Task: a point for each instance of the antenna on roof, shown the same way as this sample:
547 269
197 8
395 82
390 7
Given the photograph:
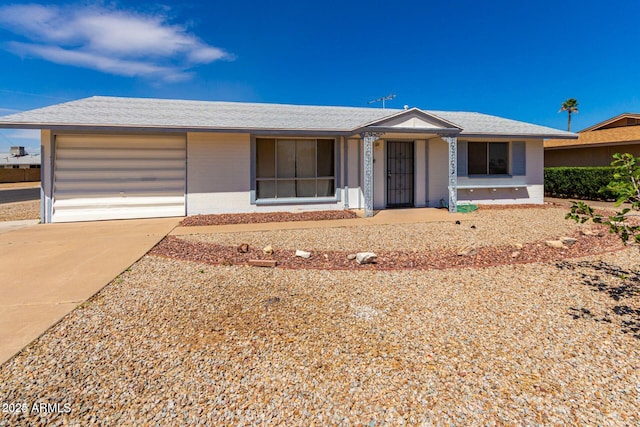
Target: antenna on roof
383 99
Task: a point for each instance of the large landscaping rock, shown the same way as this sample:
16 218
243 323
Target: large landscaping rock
303 254
366 257
557 244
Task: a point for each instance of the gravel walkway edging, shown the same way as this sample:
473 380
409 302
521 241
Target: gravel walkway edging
487 256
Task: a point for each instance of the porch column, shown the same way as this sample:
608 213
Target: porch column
369 138
452 142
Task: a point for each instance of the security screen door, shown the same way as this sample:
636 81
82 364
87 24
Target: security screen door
400 180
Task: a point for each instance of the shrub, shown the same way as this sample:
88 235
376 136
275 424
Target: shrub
588 183
626 186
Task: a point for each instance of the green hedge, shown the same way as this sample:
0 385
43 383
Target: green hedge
587 183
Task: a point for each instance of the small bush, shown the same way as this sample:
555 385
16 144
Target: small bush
626 186
588 183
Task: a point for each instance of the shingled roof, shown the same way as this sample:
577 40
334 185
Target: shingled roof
7 159
619 135
611 131
158 114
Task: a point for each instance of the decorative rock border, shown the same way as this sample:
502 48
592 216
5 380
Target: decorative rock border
482 256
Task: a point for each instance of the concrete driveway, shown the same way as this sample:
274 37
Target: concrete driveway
48 270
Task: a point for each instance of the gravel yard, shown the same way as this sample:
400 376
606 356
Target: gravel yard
248 218
175 342
20 211
494 227
489 237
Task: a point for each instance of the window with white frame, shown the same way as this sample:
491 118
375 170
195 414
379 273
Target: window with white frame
287 168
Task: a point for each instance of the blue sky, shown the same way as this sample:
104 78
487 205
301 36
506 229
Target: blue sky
513 59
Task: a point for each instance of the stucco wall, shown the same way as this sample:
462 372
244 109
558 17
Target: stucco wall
353 176
218 173
420 178
438 171
219 177
531 188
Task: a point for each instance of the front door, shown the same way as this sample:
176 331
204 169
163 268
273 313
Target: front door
399 174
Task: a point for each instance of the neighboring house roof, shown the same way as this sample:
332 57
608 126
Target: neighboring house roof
617 121
622 129
7 159
179 115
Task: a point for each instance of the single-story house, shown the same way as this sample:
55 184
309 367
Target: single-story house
116 158
597 144
18 166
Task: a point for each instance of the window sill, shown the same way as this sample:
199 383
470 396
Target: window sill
296 201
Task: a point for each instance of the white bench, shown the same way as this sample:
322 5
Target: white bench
496 187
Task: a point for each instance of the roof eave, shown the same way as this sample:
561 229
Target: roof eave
591 145
18 125
172 129
271 131
390 129
516 135
597 126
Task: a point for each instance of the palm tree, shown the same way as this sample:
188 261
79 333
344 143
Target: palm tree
570 106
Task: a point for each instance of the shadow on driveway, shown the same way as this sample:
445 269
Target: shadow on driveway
12 195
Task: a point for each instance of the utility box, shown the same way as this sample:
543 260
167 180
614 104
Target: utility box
17 151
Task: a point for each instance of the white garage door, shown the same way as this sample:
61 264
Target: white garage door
118 177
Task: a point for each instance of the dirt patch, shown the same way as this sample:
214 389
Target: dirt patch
263 217
19 211
210 253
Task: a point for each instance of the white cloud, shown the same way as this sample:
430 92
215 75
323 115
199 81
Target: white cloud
95 60
111 41
4 111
